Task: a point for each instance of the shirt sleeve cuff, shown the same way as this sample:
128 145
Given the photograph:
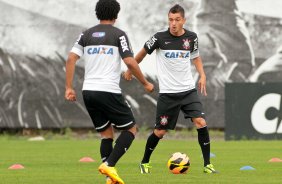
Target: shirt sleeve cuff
77 51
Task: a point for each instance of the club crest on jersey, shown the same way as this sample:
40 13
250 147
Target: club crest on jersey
186 44
98 34
164 120
100 50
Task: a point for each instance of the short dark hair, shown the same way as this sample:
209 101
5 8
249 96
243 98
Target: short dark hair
177 9
107 9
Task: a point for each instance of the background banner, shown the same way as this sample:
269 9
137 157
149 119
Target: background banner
253 111
237 42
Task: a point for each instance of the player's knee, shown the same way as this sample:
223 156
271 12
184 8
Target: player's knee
108 133
159 133
133 130
199 122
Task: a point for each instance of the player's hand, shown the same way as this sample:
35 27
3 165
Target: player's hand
149 87
70 94
127 75
202 85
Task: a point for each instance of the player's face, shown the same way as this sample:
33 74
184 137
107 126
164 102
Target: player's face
176 22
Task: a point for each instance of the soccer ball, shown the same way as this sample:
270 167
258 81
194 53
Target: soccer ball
178 163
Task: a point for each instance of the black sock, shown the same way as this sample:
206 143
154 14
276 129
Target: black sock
204 141
123 143
151 144
106 148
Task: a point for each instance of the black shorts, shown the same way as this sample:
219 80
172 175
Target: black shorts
170 104
107 108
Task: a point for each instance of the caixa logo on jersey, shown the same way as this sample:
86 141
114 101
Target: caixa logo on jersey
100 50
266 114
173 54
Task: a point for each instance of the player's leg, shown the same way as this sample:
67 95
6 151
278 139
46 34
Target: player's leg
204 141
203 138
192 108
98 104
168 109
151 144
122 144
121 117
100 122
106 145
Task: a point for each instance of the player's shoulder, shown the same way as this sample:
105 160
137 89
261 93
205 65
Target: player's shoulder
190 33
162 32
90 29
118 30
105 28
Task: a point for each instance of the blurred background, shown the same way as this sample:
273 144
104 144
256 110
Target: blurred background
240 43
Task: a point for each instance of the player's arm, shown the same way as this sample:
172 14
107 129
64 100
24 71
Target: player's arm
202 79
133 66
70 69
148 48
139 57
75 53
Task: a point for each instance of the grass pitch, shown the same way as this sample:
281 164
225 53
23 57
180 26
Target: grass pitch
57 162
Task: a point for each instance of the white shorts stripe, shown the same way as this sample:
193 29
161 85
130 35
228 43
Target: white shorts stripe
125 124
98 128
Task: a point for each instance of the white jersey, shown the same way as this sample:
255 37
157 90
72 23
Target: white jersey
102 46
173 56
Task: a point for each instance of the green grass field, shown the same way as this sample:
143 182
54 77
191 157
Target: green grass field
57 162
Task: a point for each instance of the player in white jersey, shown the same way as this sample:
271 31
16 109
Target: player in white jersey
175 48
103 46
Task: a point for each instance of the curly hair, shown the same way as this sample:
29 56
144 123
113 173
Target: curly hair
107 9
177 9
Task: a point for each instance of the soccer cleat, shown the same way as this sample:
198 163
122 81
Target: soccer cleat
209 169
110 181
110 172
145 168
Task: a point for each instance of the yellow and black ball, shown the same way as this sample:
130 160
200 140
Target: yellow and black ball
178 163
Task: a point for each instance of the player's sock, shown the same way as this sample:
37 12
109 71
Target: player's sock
123 143
151 144
106 148
204 141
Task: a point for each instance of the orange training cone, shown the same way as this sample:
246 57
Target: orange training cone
86 159
275 160
16 166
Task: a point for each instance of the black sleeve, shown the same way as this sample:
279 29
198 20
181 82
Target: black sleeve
124 46
195 43
151 44
195 49
80 41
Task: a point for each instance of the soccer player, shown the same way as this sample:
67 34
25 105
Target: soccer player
175 48
102 46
